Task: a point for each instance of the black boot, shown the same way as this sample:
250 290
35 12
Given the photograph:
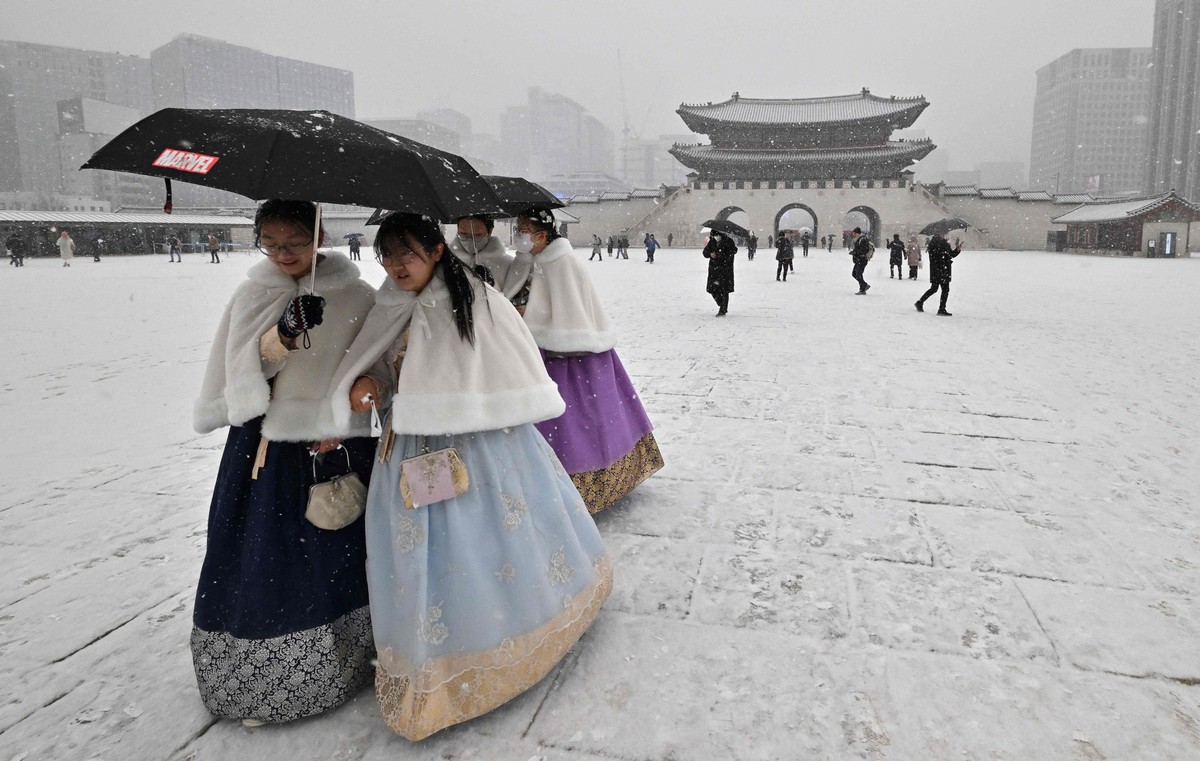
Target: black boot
920 306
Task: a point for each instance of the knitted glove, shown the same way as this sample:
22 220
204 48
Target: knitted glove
302 313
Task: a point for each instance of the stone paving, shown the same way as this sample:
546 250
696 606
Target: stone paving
879 535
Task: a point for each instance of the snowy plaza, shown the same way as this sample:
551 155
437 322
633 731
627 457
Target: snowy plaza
879 534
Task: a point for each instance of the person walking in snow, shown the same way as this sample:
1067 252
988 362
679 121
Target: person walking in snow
173 248
610 245
214 249
941 259
720 252
16 251
804 242
281 624
66 248
670 239
752 246
596 244
784 253
913 252
896 257
861 252
355 249
651 247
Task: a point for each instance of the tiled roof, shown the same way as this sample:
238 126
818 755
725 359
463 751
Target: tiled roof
996 193
1074 198
613 196
893 150
960 190
583 199
97 217
645 193
1119 210
838 108
1034 195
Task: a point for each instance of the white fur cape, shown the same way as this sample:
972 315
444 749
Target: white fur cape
564 313
493 256
235 387
447 385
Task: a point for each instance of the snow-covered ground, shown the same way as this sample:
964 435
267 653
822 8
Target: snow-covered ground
879 534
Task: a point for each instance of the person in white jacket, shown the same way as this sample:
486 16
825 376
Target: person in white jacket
281 627
483 563
66 248
604 437
482 252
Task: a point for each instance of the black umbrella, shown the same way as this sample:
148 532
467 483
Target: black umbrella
310 155
515 194
725 226
354 235
943 226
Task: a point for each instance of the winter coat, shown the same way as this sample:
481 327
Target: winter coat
493 256
897 249
784 249
66 247
720 267
651 245
941 258
914 256
862 250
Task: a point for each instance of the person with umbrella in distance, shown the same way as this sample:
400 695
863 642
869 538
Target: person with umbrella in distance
941 259
480 586
281 627
784 254
355 247
482 252
860 253
720 251
604 439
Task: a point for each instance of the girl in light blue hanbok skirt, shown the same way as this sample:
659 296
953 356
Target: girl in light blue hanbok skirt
476 597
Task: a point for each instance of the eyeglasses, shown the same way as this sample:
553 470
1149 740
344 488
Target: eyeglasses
290 248
401 255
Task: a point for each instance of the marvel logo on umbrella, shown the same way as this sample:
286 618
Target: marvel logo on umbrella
185 161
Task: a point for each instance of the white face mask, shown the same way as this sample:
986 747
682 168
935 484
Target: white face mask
473 243
524 243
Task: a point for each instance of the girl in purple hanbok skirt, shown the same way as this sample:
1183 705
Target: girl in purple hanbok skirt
604 439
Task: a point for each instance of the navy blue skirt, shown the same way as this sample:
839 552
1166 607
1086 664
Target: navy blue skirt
282 627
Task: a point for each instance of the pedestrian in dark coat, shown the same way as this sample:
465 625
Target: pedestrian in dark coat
941 258
861 252
651 247
829 240
784 253
610 245
16 251
752 246
720 251
896 259
804 243
914 257
355 249
670 239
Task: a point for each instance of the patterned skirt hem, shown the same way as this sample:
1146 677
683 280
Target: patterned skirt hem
601 488
280 679
417 701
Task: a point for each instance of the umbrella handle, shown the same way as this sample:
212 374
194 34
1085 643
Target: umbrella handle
312 288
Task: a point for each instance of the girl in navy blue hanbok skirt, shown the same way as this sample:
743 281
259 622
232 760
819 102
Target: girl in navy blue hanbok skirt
282 627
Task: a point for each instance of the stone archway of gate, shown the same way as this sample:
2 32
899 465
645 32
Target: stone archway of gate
796 215
861 214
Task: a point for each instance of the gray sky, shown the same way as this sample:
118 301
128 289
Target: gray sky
973 59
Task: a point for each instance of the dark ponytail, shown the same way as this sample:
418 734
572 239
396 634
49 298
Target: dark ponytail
400 225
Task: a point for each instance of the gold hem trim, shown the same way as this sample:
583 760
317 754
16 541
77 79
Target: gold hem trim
417 701
601 488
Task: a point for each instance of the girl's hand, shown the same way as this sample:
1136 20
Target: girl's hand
362 393
328 445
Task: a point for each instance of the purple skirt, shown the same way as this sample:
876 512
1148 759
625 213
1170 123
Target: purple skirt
604 418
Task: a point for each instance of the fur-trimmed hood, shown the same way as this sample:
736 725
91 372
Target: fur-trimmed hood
564 313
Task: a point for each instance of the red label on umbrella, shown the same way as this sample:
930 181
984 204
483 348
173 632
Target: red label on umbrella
185 161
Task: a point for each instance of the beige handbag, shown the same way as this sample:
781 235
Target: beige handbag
336 503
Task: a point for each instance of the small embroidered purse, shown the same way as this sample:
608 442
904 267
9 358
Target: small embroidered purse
432 477
335 504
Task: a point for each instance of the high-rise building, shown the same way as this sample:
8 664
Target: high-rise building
1173 147
553 135
33 79
449 118
422 131
198 72
1090 119
648 163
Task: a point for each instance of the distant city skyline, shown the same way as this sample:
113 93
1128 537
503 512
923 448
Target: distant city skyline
479 58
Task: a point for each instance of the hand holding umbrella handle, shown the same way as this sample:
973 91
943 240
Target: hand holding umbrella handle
302 312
